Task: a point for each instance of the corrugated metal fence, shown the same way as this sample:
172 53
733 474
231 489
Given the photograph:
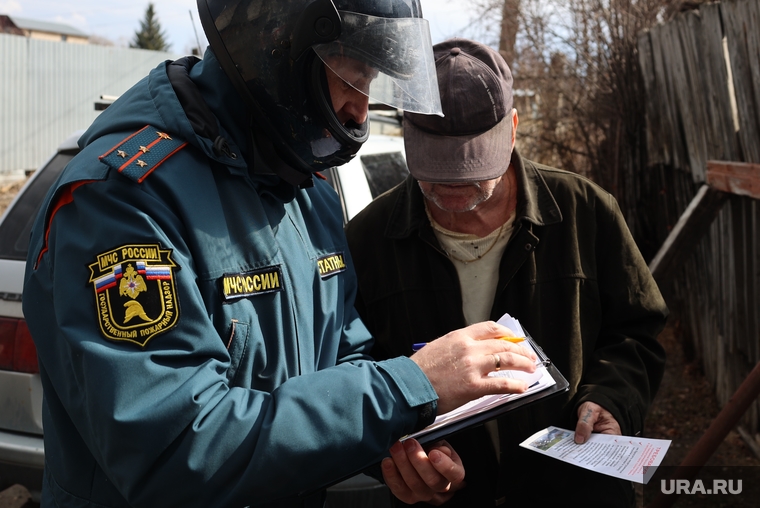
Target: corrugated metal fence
702 77
48 90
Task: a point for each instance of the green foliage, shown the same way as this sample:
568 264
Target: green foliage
150 36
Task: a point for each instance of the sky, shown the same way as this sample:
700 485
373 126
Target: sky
118 20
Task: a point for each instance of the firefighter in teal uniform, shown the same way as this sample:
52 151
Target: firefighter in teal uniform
189 288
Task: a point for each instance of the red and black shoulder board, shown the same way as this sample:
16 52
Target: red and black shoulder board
139 154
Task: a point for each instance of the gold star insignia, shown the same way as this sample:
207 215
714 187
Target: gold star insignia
122 154
144 149
164 135
142 164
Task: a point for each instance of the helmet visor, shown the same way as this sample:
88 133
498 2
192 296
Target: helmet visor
388 59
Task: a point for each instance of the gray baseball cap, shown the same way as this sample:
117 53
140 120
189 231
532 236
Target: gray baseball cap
473 140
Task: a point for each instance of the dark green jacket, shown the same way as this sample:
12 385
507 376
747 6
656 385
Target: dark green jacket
571 274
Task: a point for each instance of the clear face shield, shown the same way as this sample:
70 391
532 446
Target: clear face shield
388 59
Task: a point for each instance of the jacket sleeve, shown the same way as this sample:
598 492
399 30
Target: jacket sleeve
164 423
624 366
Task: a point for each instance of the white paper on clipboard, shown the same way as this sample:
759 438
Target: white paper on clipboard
539 380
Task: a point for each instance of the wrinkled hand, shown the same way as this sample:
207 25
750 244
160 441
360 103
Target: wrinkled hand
414 475
458 364
594 418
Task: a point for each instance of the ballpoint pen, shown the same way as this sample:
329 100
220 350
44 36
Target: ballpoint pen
419 345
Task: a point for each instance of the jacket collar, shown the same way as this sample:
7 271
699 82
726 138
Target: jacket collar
535 202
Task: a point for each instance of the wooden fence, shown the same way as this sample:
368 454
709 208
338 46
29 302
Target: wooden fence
702 77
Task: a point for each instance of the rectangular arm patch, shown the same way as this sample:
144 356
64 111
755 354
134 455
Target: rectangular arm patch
256 282
331 264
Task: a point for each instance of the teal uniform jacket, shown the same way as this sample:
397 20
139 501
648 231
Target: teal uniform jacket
195 323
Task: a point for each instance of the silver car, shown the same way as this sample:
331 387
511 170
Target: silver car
22 454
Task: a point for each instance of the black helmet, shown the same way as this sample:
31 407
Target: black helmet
275 51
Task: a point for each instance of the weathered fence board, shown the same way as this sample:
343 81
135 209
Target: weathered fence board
690 86
740 178
687 232
721 118
741 35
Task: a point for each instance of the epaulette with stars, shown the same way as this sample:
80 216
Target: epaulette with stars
142 152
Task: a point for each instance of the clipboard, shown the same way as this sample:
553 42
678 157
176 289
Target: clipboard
436 432
432 434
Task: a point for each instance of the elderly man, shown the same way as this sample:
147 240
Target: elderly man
476 231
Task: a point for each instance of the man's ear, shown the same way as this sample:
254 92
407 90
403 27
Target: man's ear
515 121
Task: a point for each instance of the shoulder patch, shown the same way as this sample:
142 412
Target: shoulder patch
142 152
134 292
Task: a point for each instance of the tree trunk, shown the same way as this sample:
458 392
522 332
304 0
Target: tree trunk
510 22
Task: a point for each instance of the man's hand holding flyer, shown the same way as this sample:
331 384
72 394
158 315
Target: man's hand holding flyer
627 457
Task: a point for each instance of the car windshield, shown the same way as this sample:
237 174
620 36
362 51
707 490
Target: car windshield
384 171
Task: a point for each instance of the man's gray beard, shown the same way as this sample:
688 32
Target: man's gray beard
482 196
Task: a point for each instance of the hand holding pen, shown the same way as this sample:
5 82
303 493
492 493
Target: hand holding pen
539 360
419 345
458 364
